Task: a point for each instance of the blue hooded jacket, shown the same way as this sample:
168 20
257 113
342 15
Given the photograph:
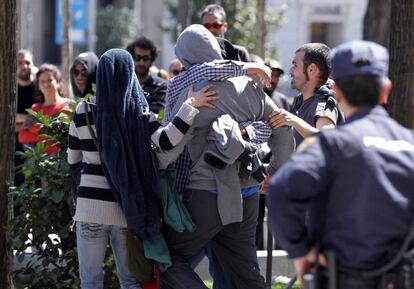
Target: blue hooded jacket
124 143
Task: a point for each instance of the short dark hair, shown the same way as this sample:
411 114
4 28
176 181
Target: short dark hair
361 90
317 53
212 9
144 43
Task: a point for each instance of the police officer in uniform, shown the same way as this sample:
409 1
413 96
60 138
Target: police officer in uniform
354 185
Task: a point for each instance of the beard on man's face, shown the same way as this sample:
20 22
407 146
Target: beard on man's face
24 75
141 70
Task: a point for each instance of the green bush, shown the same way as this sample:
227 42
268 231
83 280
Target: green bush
43 215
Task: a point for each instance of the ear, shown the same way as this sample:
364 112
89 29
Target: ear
225 26
385 91
313 69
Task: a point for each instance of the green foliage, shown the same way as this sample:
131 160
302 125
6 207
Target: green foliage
43 214
115 27
282 286
242 29
241 17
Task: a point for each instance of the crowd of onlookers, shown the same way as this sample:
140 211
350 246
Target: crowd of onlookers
196 146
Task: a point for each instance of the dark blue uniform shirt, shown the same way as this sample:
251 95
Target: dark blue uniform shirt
356 183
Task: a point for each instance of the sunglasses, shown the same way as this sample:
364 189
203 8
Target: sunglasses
215 25
144 58
83 72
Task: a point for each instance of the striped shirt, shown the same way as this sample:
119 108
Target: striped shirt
218 70
95 202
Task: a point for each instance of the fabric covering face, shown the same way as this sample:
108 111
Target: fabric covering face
124 143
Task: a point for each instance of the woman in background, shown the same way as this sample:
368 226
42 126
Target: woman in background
53 101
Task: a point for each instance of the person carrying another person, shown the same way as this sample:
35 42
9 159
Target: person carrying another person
100 211
255 131
222 205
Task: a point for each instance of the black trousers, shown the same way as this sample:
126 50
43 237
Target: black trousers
234 244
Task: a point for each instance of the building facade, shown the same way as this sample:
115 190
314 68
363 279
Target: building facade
328 21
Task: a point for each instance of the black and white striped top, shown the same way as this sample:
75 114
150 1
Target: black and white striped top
95 202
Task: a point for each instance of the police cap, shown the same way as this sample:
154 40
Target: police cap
359 58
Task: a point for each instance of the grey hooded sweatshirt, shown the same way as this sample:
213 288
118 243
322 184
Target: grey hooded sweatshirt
243 100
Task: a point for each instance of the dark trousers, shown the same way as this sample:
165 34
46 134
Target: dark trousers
234 244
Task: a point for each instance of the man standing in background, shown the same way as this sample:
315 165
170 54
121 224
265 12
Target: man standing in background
144 52
279 98
213 17
25 72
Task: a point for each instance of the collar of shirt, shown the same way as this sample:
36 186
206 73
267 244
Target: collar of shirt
364 111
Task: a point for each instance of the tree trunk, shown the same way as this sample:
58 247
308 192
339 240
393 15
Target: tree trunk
401 102
8 100
66 45
260 28
377 21
182 16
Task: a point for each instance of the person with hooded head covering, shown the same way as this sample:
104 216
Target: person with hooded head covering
221 202
83 74
109 136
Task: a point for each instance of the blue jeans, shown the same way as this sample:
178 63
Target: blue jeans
92 240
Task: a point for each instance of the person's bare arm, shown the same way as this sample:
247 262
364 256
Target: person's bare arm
281 117
324 122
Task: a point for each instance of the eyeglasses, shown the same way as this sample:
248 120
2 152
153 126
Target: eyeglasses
215 25
83 72
144 58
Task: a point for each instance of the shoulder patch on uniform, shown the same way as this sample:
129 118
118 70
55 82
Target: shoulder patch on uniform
306 143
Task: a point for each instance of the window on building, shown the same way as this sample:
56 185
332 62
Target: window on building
329 33
318 32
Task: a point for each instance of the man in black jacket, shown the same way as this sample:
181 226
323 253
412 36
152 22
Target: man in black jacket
144 52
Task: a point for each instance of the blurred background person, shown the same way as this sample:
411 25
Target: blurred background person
213 17
277 71
144 52
175 67
83 74
49 85
25 72
161 73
